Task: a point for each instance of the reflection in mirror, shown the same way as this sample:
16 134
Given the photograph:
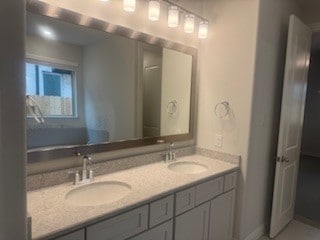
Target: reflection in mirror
93 87
51 88
166 91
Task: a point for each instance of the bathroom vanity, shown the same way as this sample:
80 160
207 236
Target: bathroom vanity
161 204
96 88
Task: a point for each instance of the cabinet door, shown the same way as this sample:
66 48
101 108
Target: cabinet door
193 225
208 190
161 211
120 227
185 200
230 181
162 232
79 235
221 217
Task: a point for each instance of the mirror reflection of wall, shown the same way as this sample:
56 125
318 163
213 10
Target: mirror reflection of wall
166 86
176 89
93 87
109 89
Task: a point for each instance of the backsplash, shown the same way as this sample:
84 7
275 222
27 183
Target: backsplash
235 159
49 179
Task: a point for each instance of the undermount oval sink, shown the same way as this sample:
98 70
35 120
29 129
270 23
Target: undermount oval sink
188 167
99 193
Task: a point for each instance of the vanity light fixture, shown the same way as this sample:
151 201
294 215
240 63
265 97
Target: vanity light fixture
104 0
173 16
174 11
189 23
129 5
154 10
203 29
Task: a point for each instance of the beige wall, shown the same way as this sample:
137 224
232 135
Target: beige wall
226 73
310 12
227 68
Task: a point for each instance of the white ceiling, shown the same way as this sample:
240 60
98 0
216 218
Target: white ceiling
65 32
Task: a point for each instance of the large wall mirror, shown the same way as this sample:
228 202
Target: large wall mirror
90 91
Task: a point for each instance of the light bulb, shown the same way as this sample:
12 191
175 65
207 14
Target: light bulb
47 32
104 0
173 16
203 29
189 23
154 10
129 5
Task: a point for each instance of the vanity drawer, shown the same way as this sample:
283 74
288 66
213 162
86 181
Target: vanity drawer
230 181
185 200
208 190
120 227
161 211
78 235
162 232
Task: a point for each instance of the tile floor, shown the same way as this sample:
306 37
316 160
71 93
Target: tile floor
298 231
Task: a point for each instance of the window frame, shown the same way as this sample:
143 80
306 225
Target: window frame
64 65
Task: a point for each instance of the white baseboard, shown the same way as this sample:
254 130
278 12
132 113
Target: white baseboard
257 233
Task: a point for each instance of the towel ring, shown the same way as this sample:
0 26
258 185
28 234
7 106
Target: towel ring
172 107
222 109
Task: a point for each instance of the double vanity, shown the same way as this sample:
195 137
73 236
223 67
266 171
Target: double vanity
190 198
94 88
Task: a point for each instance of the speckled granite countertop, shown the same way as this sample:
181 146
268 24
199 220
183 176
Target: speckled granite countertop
52 215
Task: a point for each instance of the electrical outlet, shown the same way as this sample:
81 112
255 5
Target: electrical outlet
218 140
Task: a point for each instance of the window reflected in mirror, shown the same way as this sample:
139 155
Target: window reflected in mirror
52 88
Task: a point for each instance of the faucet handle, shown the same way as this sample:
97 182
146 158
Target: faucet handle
76 176
87 160
174 156
87 157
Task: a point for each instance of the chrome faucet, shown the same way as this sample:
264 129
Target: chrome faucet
170 155
87 172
